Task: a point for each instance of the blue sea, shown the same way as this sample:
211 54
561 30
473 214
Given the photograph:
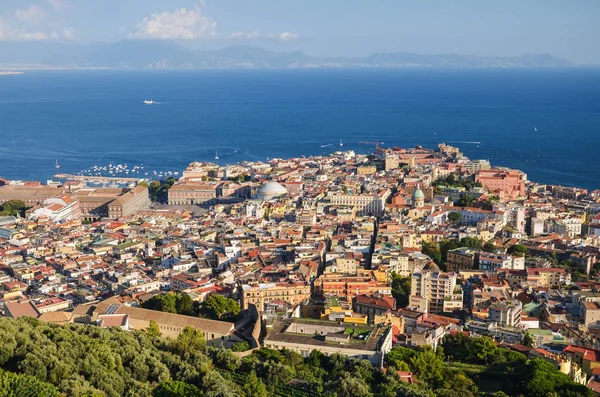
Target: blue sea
87 118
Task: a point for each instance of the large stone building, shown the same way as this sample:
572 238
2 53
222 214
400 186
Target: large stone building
350 286
216 333
261 294
192 193
30 195
93 202
303 336
507 184
366 203
137 199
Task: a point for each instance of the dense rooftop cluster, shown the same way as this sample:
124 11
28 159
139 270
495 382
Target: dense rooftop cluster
347 253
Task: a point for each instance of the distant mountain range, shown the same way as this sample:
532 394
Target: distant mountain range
146 54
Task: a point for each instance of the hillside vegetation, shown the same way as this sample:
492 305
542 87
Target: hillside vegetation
39 359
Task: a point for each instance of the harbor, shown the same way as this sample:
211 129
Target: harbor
96 179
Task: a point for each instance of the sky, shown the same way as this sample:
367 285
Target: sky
566 28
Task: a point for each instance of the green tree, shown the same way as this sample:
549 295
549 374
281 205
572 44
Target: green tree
176 389
15 385
189 340
517 250
543 379
348 386
471 242
13 208
163 302
483 349
153 330
433 251
217 306
184 305
454 217
489 247
528 340
427 366
400 289
241 346
254 387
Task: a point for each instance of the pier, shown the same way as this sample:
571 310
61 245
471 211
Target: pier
83 178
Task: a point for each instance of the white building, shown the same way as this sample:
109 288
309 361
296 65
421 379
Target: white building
58 209
429 290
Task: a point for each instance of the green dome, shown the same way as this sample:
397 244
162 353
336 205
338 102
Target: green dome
418 194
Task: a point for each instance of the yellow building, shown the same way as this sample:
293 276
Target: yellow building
261 294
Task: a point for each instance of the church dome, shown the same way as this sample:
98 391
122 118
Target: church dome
432 267
270 190
418 194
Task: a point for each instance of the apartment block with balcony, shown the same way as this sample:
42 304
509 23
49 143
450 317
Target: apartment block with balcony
430 289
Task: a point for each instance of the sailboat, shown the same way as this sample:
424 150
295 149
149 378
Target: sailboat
341 144
216 155
57 165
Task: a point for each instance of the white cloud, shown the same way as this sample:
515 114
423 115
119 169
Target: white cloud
285 36
179 24
256 35
31 14
68 33
246 35
9 33
58 4
288 36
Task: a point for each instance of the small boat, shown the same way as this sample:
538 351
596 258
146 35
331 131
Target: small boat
149 102
57 166
341 144
535 129
216 155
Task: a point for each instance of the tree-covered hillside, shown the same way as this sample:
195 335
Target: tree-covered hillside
80 360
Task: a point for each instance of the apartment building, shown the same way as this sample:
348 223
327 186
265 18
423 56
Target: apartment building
463 258
506 314
429 290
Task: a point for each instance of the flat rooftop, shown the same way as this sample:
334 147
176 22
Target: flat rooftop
280 332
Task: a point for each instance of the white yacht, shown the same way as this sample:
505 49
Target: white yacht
149 102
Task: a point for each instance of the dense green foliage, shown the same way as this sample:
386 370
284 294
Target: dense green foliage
517 250
13 208
516 374
15 385
454 217
215 307
218 307
159 190
82 360
171 303
400 289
